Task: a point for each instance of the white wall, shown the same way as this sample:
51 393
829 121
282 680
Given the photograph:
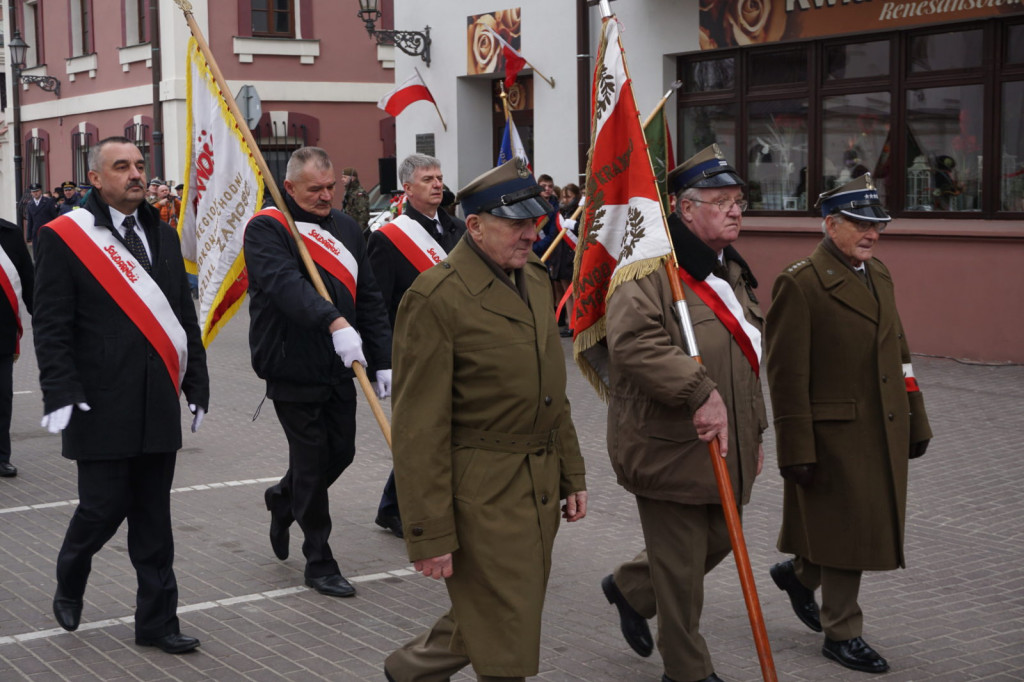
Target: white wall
652 31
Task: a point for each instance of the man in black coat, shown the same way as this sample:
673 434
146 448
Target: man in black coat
16 277
415 240
303 346
39 210
111 381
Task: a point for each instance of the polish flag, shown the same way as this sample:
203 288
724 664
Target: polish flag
412 90
514 62
623 234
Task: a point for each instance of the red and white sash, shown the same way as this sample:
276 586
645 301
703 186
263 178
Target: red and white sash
326 250
415 243
10 282
131 287
719 296
909 379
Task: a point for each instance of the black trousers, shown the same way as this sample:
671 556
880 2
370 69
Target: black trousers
6 403
321 444
109 491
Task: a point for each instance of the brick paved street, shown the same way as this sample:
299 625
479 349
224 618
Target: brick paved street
957 612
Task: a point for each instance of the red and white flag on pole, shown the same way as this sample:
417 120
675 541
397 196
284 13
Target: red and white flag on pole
624 235
514 62
412 90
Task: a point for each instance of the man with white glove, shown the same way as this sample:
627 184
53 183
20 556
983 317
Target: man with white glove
108 387
304 345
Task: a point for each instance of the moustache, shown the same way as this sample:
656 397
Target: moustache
135 183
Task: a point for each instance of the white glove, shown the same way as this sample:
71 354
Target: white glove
383 383
199 414
57 421
349 346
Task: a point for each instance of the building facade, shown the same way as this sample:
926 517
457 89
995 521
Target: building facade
316 72
801 95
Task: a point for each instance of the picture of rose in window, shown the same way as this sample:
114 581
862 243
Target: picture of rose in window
484 53
740 22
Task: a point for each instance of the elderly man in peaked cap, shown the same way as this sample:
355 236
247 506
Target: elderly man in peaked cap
665 407
484 445
848 417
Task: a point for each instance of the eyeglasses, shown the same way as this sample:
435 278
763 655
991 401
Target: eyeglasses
725 205
865 225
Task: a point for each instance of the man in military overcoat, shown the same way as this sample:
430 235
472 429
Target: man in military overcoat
848 416
484 445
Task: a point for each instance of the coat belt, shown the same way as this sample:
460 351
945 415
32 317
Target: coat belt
504 442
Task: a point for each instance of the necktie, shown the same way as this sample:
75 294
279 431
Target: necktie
134 244
863 274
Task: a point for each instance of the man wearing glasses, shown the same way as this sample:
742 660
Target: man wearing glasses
665 407
848 417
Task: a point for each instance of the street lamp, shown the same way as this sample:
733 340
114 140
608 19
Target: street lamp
413 43
18 50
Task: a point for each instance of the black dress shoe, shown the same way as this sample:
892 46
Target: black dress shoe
634 626
332 585
174 643
68 612
8 470
391 523
278 530
802 598
855 654
710 678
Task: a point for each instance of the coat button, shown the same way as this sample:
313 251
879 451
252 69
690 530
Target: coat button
891 416
885 378
417 531
543 499
547 400
446 265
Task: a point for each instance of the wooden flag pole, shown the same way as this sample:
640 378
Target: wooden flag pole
432 100
186 7
739 547
560 236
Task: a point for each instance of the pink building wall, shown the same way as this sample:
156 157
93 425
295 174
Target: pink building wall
959 283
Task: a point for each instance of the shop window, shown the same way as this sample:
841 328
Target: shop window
857 60
855 139
943 51
710 74
945 132
778 67
703 126
273 18
777 154
1015 44
942 135
1012 162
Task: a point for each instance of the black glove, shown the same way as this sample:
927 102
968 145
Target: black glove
801 474
917 449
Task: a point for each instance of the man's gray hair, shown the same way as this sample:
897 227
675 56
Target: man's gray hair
303 156
691 193
96 149
412 162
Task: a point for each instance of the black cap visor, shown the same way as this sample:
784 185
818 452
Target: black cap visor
872 213
531 207
723 179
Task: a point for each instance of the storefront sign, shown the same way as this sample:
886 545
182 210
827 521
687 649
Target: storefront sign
728 23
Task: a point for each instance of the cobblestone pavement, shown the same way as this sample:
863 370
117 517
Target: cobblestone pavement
956 612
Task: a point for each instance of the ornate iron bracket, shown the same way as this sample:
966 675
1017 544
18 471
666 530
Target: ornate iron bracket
47 83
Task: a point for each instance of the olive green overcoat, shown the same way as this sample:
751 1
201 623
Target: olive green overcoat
656 387
484 448
836 361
